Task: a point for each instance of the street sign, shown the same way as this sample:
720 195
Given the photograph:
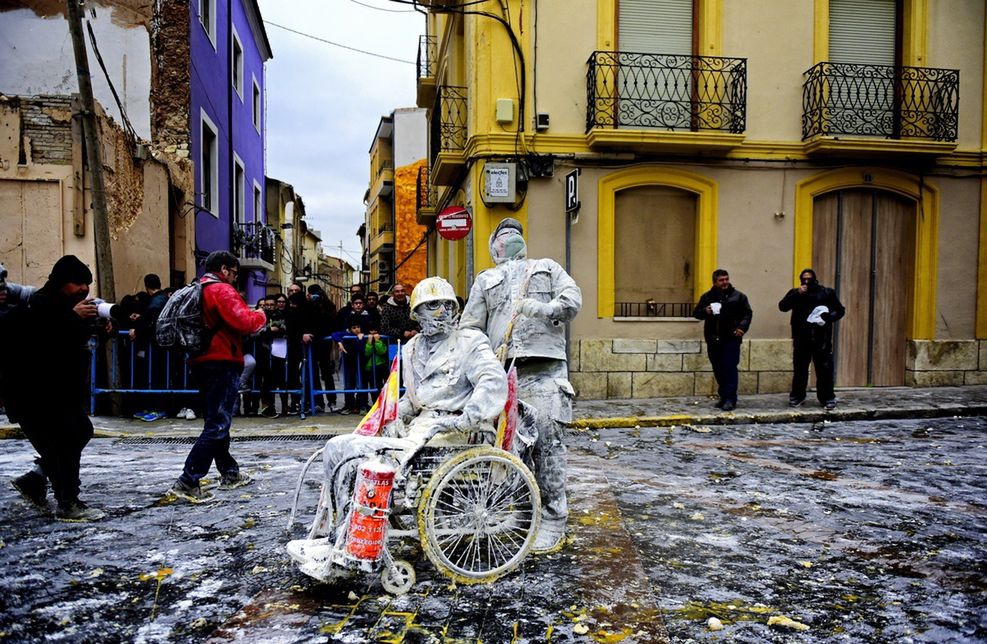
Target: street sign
572 191
454 223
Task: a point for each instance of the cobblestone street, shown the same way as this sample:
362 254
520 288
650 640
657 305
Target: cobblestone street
860 531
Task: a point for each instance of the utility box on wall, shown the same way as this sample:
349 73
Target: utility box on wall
499 183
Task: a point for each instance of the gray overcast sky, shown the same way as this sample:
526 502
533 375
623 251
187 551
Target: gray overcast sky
324 102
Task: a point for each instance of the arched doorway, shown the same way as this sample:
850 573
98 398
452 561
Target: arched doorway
864 245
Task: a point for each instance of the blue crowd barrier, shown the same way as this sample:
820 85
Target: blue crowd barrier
370 388
141 369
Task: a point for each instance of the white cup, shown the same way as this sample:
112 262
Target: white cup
716 306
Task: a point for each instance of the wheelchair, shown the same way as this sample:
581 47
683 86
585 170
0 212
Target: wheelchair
473 509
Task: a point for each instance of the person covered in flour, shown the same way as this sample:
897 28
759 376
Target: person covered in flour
453 385
522 306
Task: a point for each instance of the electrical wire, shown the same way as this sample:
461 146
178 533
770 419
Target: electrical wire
370 6
113 90
336 44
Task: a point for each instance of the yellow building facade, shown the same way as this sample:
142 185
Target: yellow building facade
761 137
395 250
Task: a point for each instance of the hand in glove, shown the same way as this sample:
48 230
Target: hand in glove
535 309
450 424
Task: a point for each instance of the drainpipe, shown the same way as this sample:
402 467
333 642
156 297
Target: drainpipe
229 122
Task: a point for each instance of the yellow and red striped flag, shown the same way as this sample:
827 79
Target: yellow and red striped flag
385 408
507 426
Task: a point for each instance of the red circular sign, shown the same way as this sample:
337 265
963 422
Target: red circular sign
454 223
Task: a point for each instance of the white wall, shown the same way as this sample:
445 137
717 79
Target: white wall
38 59
410 136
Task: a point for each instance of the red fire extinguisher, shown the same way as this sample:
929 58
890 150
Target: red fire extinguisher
371 507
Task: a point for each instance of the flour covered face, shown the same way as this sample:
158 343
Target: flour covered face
436 317
434 306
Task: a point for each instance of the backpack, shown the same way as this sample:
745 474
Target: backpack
181 325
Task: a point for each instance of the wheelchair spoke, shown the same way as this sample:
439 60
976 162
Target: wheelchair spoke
480 515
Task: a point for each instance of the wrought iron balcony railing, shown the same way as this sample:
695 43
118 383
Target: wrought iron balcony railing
880 100
448 129
426 56
254 240
426 196
668 92
652 309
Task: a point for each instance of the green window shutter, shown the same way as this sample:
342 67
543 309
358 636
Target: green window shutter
862 32
655 26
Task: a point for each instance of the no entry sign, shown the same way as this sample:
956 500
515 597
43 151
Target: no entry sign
454 223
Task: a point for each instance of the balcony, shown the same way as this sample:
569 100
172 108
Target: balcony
383 183
382 240
427 62
665 103
253 243
881 108
448 134
426 198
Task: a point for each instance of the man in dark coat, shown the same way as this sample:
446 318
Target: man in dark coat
812 337
395 316
727 315
44 385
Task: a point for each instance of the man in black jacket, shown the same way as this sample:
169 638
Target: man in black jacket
812 337
44 384
727 315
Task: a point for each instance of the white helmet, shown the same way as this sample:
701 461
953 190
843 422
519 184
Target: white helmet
431 289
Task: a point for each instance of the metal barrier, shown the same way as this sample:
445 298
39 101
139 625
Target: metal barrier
360 388
164 372
142 369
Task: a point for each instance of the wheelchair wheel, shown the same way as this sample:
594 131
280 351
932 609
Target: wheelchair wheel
398 578
478 515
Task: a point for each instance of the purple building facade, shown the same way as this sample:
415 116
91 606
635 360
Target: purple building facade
228 49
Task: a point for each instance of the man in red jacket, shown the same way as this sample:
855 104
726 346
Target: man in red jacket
217 373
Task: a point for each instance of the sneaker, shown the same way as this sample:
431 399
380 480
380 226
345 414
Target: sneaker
304 551
719 404
152 416
269 412
191 493
231 482
320 409
293 410
33 487
189 414
795 402
345 411
182 412
139 415
830 405
78 512
729 405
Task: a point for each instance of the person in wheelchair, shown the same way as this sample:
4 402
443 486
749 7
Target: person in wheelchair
454 385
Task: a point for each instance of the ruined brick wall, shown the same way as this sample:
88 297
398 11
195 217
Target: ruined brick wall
171 97
46 128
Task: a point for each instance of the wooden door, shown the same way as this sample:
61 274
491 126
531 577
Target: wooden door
30 228
864 247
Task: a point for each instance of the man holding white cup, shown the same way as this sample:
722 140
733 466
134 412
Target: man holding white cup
727 317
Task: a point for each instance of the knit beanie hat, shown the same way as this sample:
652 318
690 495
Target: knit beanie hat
69 269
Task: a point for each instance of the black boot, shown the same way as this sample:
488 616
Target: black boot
33 486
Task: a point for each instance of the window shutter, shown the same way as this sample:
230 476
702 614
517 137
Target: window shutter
655 26
862 31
